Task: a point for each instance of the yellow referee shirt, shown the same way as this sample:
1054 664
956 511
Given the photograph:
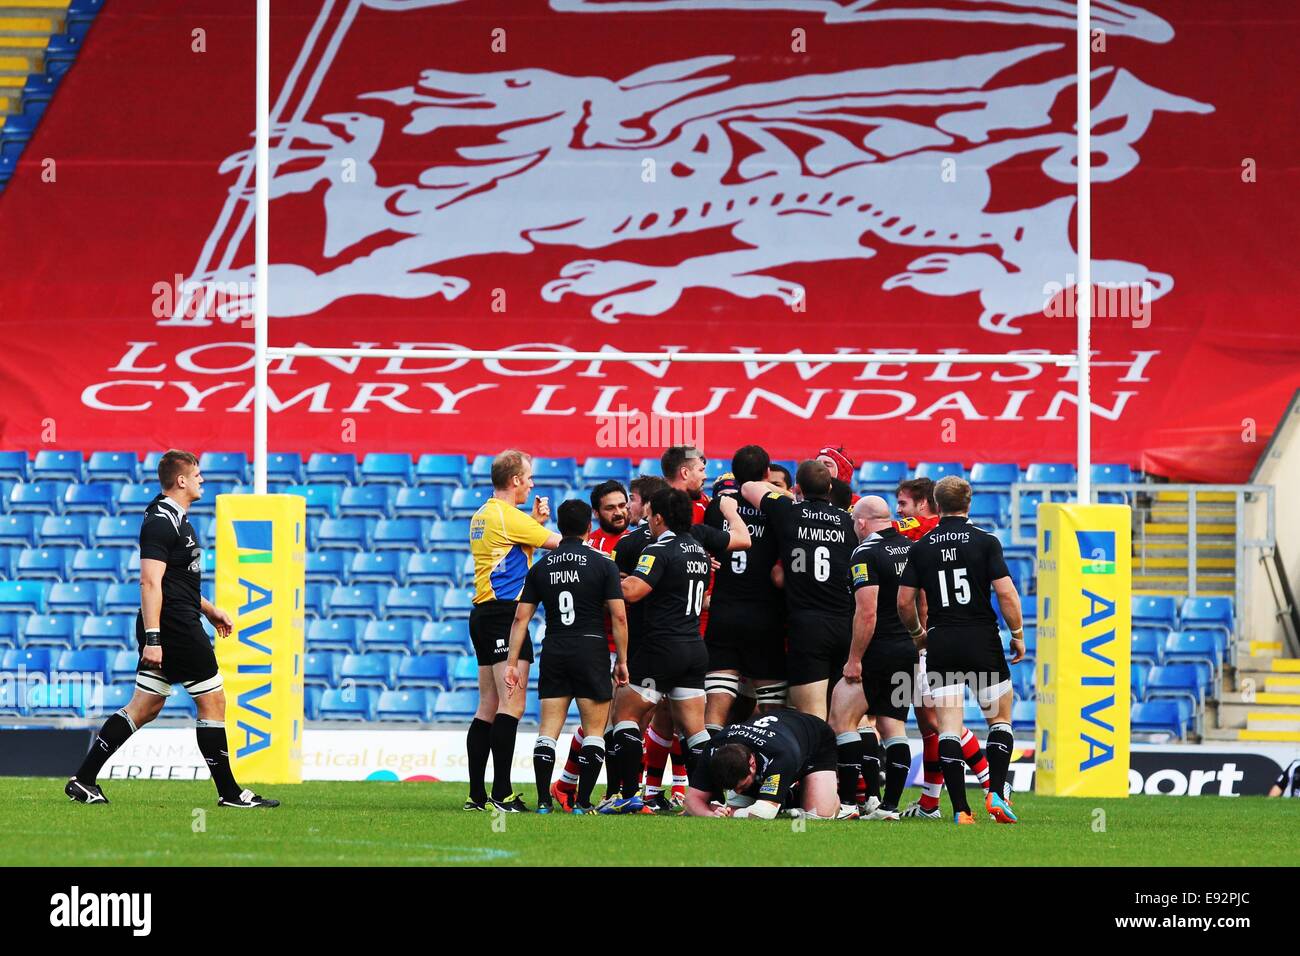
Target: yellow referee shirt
502 539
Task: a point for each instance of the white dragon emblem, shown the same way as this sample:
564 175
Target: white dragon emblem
806 168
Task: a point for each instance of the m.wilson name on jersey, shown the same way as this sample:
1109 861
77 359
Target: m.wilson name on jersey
834 535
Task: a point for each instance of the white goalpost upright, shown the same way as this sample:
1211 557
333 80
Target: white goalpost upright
1080 358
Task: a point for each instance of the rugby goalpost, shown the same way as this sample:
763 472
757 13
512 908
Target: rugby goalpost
1080 358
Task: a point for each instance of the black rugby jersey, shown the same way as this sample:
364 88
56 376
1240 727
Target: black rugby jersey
816 541
782 744
572 583
745 577
677 569
166 535
956 564
877 563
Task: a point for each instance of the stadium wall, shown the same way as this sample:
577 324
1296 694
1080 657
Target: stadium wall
1279 466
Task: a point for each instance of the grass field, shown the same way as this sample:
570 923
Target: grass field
154 823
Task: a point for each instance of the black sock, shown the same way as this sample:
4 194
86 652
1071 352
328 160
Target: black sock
590 757
695 748
478 745
871 763
543 767
504 730
997 750
112 735
848 757
613 767
954 771
211 735
628 735
898 761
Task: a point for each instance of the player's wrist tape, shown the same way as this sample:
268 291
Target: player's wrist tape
153 638
918 632
1017 632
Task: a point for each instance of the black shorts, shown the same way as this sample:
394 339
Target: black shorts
673 669
819 646
188 659
489 630
575 667
888 673
967 655
749 639
825 753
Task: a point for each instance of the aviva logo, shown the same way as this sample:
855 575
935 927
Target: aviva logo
253 541
1097 551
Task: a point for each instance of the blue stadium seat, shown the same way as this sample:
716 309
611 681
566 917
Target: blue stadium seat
464 673
181 707
377 567
311 702
366 501
399 534
1138 680
132 499
123 665
1024 715
23 596
316 599
480 470
430 567
989 510
387 468
37 497
114 697
1151 609
882 475
321 668
974 718
65 698
1157 716
1022 680
224 466
556 471
12 703
50 465
1176 681
1188 647
1213 613
109 631
369 670
149 468
532 715
284 468
1111 474
11 628
396 636
649 466
98 498
356 600
332 469
322 500
122 598
449 535
350 534
355 703
17 530
75 597
1029 611
555 494
597 469
62 530
1149 645
207 505
427 672
450 470
329 566
993 476
429 501
13 464
406 705
466 568
333 634
415 601
1050 472
456 707
715 468
43 564
458 603
8 556
445 637
50 630
465 501
203 525
92 661
934 470
17 664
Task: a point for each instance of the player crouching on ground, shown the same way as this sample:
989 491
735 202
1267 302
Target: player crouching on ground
761 760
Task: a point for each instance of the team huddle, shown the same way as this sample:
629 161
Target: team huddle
768 640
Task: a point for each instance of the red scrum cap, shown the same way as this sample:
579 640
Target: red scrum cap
843 466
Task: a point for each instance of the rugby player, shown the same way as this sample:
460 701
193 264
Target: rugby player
611 504
746 630
501 539
760 760
879 672
174 648
816 541
917 515
956 564
576 586
668 659
779 477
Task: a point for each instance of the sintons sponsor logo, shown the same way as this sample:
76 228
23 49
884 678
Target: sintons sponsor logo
78 909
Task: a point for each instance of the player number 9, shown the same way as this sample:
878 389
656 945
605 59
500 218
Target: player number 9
567 613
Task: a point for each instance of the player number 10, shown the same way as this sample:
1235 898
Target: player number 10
694 597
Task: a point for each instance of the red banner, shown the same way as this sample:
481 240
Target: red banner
714 175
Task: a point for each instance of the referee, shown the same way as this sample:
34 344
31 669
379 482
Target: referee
174 649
